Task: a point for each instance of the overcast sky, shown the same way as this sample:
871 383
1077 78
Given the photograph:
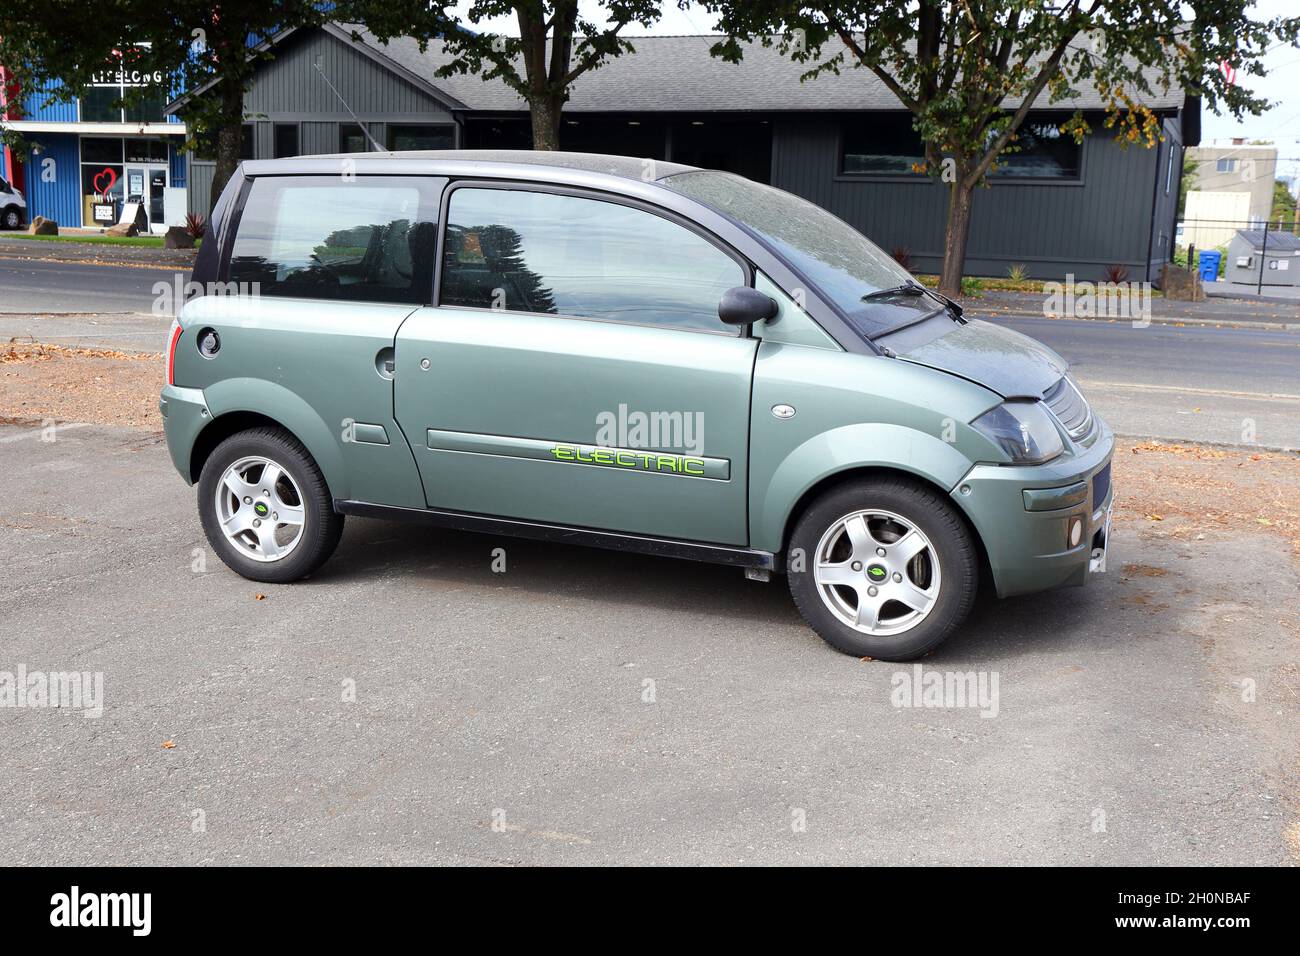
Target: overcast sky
1281 124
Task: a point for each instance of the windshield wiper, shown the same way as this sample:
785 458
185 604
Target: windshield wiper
909 288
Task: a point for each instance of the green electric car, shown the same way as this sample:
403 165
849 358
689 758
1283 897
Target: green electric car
626 354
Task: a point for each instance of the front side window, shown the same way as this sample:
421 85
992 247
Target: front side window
319 237
570 255
847 268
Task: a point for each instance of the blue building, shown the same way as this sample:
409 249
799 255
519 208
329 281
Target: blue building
88 157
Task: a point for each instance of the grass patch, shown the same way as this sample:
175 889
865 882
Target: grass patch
151 242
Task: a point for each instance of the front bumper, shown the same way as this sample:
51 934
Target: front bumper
185 413
1030 550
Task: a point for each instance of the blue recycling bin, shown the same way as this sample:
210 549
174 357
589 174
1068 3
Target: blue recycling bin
1209 264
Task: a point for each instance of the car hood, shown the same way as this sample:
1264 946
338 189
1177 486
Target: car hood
1011 364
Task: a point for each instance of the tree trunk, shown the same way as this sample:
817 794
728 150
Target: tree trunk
961 196
545 112
230 136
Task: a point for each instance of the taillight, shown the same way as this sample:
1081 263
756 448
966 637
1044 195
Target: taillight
173 336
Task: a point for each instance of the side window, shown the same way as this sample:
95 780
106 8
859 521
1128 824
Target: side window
372 239
568 255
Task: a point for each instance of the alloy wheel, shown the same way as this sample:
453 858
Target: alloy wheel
260 509
877 572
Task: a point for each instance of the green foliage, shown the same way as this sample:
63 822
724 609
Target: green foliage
970 70
1016 272
555 46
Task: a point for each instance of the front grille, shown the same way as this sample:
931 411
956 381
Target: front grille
1068 405
1100 486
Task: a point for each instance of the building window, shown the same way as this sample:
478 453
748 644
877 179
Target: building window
352 139
286 140
567 255
881 144
373 240
1042 151
206 144
1226 166
402 138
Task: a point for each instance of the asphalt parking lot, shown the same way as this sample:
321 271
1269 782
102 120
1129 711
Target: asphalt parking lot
409 705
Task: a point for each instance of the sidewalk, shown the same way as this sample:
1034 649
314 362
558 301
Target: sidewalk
16 246
1240 311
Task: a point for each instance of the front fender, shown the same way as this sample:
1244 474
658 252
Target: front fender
280 404
843 449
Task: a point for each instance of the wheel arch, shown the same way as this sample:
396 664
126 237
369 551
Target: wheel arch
238 404
866 472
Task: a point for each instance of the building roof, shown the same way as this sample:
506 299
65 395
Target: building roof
678 74
624 167
1277 241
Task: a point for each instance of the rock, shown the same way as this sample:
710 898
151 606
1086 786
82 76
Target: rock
123 229
44 227
1183 285
177 238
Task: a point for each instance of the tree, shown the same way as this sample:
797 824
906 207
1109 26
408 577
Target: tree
556 44
970 70
183 44
1284 205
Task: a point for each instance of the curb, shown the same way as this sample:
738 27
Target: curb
1209 443
1155 320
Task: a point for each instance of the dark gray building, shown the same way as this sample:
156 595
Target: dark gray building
843 142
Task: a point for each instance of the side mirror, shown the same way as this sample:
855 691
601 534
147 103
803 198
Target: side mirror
745 306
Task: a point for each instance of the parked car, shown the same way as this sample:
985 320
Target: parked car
13 207
631 355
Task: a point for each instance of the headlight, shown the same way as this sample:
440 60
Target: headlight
1024 430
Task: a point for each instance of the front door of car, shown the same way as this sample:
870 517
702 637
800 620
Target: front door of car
575 371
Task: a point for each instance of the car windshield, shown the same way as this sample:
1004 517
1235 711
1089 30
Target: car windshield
845 266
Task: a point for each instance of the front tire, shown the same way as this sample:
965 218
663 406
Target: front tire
883 568
265 507
12 218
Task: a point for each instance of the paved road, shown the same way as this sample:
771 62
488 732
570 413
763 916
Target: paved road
521 699
38 285
1195 382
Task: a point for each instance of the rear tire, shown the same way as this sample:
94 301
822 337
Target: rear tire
265 507
889 569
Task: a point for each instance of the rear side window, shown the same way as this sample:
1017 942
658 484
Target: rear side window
569 255
368 239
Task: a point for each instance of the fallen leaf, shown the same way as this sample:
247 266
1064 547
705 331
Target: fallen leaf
1156 517
169 745
259 597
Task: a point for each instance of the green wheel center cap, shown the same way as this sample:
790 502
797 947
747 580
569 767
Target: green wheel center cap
877 572
261 509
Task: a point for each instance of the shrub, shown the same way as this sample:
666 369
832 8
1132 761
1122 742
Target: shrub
1116 273
1016 272
903 256
194 225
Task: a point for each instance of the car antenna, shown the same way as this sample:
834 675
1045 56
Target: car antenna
365 132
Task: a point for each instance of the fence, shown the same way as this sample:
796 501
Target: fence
1258 252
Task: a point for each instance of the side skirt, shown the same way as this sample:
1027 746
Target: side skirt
563 534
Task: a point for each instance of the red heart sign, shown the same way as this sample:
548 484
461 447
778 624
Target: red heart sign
111 177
